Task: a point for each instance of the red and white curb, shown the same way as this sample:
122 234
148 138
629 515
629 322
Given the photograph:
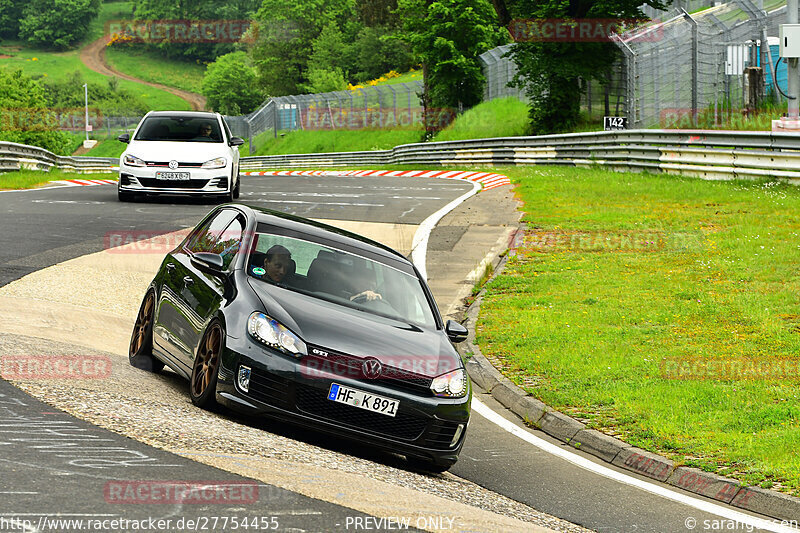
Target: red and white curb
79 183
486 179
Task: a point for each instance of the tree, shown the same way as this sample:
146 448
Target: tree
195 10
448 36
230 85
56 23
24 117
554 74
10 14
284 35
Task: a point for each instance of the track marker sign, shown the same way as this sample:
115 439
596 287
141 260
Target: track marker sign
615 123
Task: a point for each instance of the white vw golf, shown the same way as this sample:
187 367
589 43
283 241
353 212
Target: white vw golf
180 152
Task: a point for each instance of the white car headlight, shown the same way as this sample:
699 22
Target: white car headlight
450 385
133 161
219 162
269 331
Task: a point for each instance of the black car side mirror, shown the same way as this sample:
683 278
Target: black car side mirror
124 138
208 262
236 141
455 331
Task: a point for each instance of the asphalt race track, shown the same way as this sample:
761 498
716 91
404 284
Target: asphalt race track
48 226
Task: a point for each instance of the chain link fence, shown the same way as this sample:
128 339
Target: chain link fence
691 64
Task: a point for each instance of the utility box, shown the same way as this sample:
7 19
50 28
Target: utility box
789 40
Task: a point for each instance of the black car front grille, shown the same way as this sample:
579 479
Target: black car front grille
440 434
402 426
172 184
351 366
269 388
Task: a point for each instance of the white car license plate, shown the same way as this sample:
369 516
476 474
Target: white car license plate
364 400
172 175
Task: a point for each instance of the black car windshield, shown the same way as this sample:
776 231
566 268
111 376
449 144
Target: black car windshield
179 128
341 277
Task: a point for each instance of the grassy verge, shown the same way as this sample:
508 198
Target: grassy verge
109 147
108 11
151 67
627 281
311 141
29 179
60 65
502 117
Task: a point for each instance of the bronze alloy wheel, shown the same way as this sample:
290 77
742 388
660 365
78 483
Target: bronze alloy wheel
206 365
140 351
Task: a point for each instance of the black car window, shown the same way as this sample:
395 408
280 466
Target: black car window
210 237
338 276
180 128
230 241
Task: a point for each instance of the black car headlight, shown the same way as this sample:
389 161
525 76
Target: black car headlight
450 385
272 333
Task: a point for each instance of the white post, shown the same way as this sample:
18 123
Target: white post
86 107
791 63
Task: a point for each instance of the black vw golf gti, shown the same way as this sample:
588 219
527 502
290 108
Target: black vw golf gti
272 314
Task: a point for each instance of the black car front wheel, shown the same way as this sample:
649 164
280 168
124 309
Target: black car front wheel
140 351
203 383
238 186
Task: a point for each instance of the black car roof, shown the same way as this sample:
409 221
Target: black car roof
318 229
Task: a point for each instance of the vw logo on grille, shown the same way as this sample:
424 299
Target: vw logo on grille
173 164
372 368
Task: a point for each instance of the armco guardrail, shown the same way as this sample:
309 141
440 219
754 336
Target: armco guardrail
15 156
700 153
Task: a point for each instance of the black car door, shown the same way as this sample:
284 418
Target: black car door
197 294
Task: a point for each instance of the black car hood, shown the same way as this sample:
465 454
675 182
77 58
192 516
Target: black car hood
337 328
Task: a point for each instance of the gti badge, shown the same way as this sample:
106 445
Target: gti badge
372 368
319 352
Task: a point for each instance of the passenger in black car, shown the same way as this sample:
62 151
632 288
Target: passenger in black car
277 263
204 133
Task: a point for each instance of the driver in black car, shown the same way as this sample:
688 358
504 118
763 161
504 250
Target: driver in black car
366 284
277 263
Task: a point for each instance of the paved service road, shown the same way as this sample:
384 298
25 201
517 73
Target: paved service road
47 226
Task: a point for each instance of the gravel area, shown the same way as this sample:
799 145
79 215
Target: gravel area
155 409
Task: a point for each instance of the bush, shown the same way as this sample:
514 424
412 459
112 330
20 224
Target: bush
108 98
57 23
230 85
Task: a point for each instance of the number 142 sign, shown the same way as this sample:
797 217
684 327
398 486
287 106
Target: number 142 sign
615 123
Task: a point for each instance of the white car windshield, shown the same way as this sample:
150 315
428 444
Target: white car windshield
339 276
179 128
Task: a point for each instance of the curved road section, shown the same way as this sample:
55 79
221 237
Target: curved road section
509 478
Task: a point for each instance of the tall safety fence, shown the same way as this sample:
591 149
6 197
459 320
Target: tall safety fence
689 65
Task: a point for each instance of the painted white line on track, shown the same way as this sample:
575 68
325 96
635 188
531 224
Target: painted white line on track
419 246
652 488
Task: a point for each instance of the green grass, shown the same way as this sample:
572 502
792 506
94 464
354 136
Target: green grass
311 141
588 328
28 179
108 11
151 67
60 65
107 148
406 77
502 117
